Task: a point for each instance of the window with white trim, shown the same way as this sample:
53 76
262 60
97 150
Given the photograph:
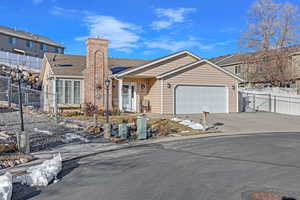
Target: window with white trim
68 91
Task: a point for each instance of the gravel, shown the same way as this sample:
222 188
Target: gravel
43 132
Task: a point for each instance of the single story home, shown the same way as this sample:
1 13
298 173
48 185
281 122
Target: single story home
180 83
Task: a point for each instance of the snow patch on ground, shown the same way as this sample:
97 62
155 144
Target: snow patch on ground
43 131
69 137
43 174
176 119
6 186
189 123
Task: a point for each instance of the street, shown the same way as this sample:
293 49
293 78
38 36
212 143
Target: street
206 168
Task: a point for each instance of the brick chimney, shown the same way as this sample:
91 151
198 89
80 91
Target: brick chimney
96 73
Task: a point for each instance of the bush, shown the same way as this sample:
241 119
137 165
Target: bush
89 109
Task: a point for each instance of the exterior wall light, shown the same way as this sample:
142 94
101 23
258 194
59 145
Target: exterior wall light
168 85
233 87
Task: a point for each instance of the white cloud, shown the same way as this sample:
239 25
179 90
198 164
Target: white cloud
121 35
170 16
191 42
175 45
59 11
37 1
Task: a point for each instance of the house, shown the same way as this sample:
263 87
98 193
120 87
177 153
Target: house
21 42
180 83
254 74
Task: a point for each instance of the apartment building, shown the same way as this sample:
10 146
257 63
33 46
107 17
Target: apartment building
21 42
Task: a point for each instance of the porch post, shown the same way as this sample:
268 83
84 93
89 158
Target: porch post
120 97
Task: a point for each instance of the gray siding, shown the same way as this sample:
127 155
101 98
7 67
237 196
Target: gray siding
21 44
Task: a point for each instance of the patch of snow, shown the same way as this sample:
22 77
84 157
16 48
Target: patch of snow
6 186
196 126
174 135
192 125
43 174
3 138
185 122
43 131
176 119
69 137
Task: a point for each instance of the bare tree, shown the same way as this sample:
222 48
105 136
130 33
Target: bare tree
272 30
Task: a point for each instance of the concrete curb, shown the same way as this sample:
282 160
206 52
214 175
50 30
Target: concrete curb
20 169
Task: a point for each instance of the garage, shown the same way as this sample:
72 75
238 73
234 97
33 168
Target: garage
191 99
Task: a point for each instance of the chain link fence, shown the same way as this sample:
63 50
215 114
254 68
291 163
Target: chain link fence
9 94
256 102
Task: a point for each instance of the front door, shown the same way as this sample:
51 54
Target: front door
129 97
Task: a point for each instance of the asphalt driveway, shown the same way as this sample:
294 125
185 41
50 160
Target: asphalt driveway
208 169
252 122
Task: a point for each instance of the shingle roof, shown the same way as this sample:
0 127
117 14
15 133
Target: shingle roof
240 58
64 64
29 36
73 65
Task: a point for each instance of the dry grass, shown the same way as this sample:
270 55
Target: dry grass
166 126
113 119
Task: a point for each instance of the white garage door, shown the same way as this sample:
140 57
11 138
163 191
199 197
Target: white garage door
193 99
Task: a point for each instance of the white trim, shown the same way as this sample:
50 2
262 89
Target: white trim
161 96
157 61
237 98
224 58
227 99
198 62
225 71
120 85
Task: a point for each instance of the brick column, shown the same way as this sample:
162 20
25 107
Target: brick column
96 72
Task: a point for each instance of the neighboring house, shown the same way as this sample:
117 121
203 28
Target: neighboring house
236 63
25 43
180 83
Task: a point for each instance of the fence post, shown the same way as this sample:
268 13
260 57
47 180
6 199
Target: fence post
254 109
275 104
26 98
270 103
9 92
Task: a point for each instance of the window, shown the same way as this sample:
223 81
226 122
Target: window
12 40
59 92
68 92
57 50
43 47
29 44
237 69
76 92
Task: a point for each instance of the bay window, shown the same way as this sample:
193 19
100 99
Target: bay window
68 92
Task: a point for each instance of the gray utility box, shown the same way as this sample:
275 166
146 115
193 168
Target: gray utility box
142 128
123 131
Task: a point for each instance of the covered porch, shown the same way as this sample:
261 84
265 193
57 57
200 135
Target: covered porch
136 94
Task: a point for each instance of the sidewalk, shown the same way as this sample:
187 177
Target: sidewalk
77 151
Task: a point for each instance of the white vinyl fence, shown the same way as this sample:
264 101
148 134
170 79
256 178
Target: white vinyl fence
256 101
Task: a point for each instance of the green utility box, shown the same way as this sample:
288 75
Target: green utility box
123 131
142 128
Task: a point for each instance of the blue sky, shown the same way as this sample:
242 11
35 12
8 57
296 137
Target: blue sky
143 29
